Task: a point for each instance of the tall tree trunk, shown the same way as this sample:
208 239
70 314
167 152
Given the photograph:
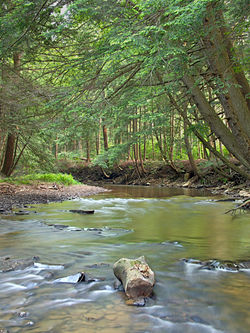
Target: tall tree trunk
9 155
216 124
172 132
56 148
105 137
222 60
80 147
10 147
189 150
159 141
144 147
88 150
135 146
153 147
207 144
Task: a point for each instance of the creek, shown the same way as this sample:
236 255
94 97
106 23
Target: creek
164 225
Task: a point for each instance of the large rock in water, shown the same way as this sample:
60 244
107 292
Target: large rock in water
136 276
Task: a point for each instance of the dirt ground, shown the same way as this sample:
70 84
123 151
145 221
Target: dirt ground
156 174
161 174
13 196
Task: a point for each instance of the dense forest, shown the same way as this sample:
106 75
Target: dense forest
107 81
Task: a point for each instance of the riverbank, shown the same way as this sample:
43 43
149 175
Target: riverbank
161 174
17 196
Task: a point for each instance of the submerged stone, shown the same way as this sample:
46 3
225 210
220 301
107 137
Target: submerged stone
7 264
22 212
136 302
215 264
80 211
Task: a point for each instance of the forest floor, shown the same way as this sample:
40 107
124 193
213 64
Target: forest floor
16 196
162 174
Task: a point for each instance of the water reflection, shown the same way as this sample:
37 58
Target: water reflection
165 225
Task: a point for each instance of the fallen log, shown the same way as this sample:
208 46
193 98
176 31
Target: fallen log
243 207
136 276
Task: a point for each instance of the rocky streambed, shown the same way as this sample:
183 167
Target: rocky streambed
71 286
16 196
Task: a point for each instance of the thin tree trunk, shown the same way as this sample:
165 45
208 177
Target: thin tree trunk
207 144
105 137
189 150
56 148
88 150
172 132
153 147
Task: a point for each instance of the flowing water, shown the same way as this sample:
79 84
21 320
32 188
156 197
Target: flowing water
164 225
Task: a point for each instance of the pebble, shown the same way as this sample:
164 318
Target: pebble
29 323
111 317
23 314
137 302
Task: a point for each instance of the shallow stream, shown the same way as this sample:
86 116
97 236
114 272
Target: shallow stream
164 225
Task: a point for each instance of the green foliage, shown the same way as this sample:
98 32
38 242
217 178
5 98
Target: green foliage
112 156
92 63
58 178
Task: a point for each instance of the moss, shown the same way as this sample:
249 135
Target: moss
58 178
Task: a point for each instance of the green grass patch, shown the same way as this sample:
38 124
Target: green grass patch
58 178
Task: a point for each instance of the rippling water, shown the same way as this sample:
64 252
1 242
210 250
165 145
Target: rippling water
165 226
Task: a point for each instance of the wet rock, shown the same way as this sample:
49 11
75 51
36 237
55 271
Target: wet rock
94 229
73 229
29 323
214 264
7 264
118 285
101 265
94 315
76 278
111 317
245 194
22 212
226 200
58 226
64 227
3 330
175 243
244 265
198 319
80 211
136 276
136 302
48 267
23 314
91 279
47 275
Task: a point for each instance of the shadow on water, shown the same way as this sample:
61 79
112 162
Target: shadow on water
163 224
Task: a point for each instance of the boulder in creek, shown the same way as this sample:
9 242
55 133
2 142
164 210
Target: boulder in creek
7 264
136 276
